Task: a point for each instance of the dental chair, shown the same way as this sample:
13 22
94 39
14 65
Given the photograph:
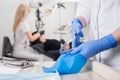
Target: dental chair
39 47
7 47
7 50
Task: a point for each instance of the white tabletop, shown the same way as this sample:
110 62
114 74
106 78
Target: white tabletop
98 72
89 75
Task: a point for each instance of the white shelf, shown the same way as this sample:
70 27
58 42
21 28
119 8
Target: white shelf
63 29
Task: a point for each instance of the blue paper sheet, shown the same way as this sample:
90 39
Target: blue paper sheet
30 76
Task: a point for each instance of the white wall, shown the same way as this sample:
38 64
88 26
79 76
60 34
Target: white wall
7 12
60 17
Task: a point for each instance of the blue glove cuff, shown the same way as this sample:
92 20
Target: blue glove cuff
112 40
108 42
77 20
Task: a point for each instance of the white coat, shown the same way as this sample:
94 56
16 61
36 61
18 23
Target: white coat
20 43
104 18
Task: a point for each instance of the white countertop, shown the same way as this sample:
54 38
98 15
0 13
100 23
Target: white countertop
99 72
93 71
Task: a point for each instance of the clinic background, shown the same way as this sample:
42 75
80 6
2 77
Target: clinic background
59 17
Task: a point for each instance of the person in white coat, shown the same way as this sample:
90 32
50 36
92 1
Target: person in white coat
22 32
104 36
104 18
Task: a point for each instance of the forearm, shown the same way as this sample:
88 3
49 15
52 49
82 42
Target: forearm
116 35
84 23
35 37
31 37
83 11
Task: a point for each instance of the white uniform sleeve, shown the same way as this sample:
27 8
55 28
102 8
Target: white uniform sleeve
83 9
25 27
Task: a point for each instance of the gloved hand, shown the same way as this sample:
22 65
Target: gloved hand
76 41
76 27
76 31
67 64
91 48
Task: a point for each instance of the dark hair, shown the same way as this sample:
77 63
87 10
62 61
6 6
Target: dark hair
70 45
62 41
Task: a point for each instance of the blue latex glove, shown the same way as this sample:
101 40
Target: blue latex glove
91 48
76 27
76 31
76 41
67 64
29 76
